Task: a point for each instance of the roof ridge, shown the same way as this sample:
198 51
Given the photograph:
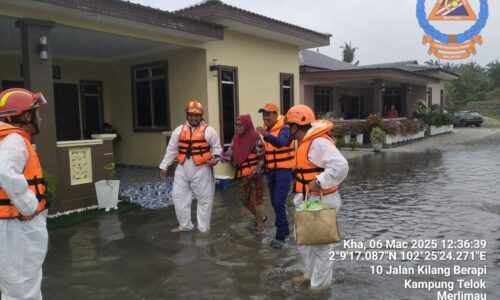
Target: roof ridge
403 62
214 2
316 59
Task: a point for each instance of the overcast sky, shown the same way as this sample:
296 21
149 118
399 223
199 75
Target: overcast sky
384 31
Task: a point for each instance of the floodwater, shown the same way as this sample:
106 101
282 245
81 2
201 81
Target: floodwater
435 195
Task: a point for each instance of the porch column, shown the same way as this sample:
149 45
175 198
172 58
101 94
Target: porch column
405 93
38 78
377 96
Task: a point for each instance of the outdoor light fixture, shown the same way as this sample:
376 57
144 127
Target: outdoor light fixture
43 48
382 87
410 90
214 67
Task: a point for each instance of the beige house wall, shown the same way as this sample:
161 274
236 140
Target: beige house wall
71 71
10 69
186 81
436 92
418 93
259 62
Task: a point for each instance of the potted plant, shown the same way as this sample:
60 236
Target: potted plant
338 132
353 144
340 143
391 129
377 138
348 132
107 190
359 128
108 128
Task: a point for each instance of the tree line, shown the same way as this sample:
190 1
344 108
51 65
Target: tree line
476 83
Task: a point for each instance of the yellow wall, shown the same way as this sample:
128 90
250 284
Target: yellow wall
187 80
259 62
10 69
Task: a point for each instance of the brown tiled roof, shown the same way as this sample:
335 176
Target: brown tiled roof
408 66
216 8
315 59
142 14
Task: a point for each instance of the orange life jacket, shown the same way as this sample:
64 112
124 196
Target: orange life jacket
193 145
247 166
33 174
305 170
279 158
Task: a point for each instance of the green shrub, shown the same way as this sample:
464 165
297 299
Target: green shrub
353 144
377 136
340 143
51 184
109 171
339 132
391 127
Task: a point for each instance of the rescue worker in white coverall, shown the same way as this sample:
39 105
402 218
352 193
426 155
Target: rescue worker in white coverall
319 166
197 148
23 198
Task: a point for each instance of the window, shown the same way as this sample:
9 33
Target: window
9 84
286 92
92 109
429 97
228 102
150 97
323 100
67 112
393 96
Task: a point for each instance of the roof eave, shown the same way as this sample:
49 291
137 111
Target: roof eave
442 74
143 14
375 73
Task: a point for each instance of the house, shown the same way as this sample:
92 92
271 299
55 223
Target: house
352 92
135 67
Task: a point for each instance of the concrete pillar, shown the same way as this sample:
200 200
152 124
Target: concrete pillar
377 96
405 89
38 78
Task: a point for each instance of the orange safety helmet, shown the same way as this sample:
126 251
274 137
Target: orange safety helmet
14 102
194 107
300 114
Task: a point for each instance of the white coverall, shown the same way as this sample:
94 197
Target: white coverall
23 244
191 180
318 267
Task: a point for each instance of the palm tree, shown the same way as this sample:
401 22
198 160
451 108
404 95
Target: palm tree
432 62
348 53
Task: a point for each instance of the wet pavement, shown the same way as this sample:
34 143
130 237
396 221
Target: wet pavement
431 194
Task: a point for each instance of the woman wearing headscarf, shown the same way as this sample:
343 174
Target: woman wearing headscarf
247 153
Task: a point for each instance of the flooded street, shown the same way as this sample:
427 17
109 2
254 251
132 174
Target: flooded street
445 194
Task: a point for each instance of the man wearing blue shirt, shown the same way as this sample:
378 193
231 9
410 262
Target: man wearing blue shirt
279 161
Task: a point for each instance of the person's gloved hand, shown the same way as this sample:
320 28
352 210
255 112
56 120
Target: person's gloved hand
212 162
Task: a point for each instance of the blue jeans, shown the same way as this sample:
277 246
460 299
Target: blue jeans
279 182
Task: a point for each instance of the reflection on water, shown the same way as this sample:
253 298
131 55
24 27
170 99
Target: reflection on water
431 195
